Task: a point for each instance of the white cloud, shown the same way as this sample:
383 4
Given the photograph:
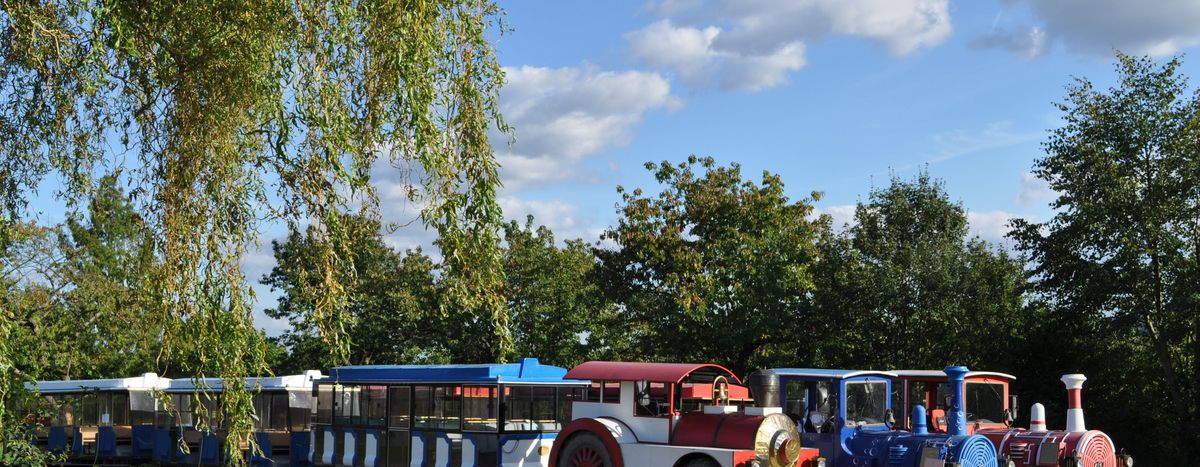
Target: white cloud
1033 190
756 44
690 52
842 215
991 226
1154 27
997 135
1028 42
565 115
557 215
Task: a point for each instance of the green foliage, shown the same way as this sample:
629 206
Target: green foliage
904 286
713 268
227 114
558 314
1118 263
392 300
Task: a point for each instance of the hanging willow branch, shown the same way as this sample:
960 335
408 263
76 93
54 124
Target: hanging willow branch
226 115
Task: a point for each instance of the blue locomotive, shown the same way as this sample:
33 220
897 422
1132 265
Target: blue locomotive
847 416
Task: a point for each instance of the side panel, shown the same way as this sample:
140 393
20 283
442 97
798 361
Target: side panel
526 449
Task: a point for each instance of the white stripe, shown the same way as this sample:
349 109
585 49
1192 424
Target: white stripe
468 452
418 451
348 449
443 452
372 447
327 456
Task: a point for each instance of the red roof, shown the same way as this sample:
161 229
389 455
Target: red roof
652 372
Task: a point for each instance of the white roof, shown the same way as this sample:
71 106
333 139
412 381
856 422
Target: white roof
828 373
942 374
145 382
301 381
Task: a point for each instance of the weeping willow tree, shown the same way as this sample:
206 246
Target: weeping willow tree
223 116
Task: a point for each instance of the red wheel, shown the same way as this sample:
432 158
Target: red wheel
585 450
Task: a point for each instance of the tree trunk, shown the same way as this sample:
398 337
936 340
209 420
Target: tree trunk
1164 355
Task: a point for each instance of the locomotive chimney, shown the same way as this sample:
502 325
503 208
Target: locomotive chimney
764 387
918 420
956 416
1037 418
1074 385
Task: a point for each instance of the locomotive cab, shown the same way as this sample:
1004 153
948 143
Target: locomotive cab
673 414
987 400
831 406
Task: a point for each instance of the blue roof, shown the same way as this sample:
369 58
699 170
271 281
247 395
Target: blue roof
527 370
823 373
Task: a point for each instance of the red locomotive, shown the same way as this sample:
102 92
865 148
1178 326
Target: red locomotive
673 414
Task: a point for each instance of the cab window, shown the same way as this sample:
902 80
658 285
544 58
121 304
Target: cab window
985 402
866 402
651 399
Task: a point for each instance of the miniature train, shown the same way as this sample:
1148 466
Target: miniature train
610 414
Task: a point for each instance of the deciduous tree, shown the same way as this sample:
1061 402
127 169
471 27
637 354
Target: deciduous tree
712 268
1119 257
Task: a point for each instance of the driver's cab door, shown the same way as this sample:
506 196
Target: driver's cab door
865 403
814 404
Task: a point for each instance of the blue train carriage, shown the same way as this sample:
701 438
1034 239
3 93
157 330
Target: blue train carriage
283 406
847 415
444 415
99 419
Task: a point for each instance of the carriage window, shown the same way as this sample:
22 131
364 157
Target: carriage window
210 416
651 399
346 405
299 409
438 407
398 399
374 405
866 402
278 419
531 408
324 403
66 409
182 409
479 408
141 408
88 406
985 402
120 409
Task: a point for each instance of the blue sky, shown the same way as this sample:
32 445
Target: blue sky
833 95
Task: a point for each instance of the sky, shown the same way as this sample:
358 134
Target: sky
835 96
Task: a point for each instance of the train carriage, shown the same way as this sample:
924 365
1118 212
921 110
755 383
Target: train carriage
988 402
673 414
444 415
282 405
100 419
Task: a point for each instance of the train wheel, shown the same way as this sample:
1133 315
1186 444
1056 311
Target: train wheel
702 462
585 450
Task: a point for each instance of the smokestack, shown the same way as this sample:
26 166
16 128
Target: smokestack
956 416
764 386
1074 385
1037 418
918 420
